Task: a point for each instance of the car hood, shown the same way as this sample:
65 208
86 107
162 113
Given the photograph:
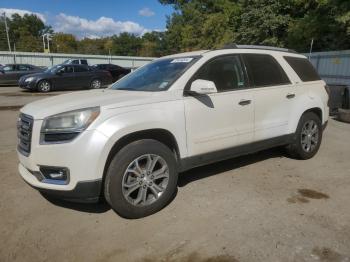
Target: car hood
105 98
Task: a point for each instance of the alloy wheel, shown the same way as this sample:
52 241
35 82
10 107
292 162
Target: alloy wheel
145 180
309 136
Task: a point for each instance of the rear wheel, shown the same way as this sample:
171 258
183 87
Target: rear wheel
141 179
95 84
44 86
308 137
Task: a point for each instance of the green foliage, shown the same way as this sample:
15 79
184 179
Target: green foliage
205 24
202 24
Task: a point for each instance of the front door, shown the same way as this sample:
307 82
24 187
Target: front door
66 78
225 119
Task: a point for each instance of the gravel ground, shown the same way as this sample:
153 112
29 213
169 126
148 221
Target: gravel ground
261 207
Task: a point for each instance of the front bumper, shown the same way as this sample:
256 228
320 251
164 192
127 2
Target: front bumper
27 85
82 157
84 191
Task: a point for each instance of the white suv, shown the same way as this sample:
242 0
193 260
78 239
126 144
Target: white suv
128 143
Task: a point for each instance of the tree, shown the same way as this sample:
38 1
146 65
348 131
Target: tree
126 45
64 43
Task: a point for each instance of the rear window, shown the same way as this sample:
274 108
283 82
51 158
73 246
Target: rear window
264 70
303 68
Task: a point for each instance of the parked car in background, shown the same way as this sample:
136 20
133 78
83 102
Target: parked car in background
11 73
116 71
75 62
66 77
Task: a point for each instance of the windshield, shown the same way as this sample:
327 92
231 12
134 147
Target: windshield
155 76
54 69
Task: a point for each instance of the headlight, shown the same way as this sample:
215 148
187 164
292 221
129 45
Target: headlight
29 79
68 125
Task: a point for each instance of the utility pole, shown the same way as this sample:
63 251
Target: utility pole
311 46
7 32
44 42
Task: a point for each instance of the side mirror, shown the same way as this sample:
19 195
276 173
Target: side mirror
203 87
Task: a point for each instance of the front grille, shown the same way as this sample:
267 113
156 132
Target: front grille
24 133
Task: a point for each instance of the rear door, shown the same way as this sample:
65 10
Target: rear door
25 70
225 119
9 74
273 94
83 76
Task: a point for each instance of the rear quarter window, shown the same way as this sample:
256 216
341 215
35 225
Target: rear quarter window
264 70
304 69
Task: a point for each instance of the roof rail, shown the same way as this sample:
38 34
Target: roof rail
262 47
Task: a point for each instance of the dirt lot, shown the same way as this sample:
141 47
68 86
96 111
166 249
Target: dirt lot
262 207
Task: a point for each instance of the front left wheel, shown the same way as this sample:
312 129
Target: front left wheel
141 179
44 86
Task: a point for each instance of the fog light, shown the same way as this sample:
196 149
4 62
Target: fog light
55 175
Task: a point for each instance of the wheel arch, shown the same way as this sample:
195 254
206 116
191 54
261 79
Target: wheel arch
316 109
159 134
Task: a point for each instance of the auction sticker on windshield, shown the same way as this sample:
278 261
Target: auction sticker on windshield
182 60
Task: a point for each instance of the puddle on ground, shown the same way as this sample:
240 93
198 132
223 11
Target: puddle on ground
328 255
305 194
10 108
192 257
312 194
298 199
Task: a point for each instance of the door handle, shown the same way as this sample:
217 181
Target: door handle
290 96
244 102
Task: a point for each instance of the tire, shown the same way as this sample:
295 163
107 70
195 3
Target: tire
307 138
124 190
44 86
95 84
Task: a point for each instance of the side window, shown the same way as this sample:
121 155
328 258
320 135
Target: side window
83 62
303 68
264 70
8 68
69 69
75 62
226 72
23 68
79 69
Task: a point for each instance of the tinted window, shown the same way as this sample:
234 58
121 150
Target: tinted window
68 69
75 62
226 72
80 69
9 68
23 67
303 68
265 70
83 62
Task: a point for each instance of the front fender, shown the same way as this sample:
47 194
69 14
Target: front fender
135 120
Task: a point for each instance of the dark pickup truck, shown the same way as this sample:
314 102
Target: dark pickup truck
66 77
